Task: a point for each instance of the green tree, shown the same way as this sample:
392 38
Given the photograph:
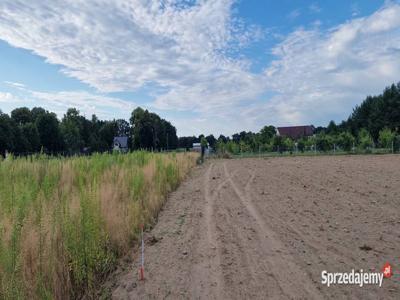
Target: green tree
31 134
232 147
123 127
107 132
211 140
204 142
386 137
36 112
170 135
6 134
288 144
21 115
301 144
332 128
223 138
311 142
364 139
71 128
324 142
244 147
149 131
345 140
12 137
186 141
143 129
220 146
267 133
376 113
94 142
277 143
49 131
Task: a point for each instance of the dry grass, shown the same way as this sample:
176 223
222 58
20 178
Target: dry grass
63 222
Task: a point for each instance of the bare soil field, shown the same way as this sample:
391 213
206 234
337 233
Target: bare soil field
267 228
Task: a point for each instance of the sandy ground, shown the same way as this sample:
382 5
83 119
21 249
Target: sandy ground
267 228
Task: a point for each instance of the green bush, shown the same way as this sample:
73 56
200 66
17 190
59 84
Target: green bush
365 141
386 138
324 142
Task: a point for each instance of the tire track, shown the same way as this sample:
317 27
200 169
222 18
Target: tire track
298 233
233 254
275 252
210 270
207 281
242 258
228 263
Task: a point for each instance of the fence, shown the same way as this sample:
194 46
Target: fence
312 151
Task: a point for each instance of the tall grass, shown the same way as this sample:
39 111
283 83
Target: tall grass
64 222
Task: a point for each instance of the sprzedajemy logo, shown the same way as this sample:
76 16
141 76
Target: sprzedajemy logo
359 278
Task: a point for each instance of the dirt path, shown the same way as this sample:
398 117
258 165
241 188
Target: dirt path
266 228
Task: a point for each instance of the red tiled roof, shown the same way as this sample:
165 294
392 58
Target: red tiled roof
296 132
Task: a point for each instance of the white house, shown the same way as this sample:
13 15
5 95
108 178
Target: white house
120 144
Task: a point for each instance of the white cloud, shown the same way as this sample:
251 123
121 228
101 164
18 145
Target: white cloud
15 84
355 11
7 97
323 74
314 8
191 54
122 45
87 103
294 14
104 107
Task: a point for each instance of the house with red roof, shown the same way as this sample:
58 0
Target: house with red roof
296 132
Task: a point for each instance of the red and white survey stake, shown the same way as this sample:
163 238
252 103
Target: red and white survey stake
141 269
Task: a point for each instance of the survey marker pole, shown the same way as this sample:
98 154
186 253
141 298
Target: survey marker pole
141 269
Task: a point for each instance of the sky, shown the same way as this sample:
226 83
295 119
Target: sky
208 66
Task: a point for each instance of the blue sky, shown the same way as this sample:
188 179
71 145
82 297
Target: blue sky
217 66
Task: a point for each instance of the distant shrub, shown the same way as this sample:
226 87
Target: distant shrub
227 156
365 141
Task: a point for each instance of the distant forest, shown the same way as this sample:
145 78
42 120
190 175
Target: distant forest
35 130
375 122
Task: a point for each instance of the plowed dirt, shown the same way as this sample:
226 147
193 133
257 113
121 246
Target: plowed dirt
267 228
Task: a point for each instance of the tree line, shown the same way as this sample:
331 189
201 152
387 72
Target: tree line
373 123
35 130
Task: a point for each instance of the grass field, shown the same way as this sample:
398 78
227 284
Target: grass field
64 222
